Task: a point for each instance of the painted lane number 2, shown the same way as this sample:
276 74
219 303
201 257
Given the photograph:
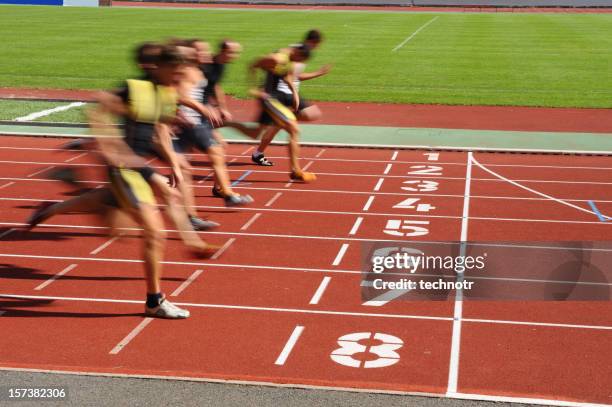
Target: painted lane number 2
382 355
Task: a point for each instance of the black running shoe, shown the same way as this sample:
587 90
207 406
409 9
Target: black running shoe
201 224
217 192
261 159
77 144
39 215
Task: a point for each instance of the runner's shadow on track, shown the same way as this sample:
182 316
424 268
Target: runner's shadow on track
13 272
24 235
209 164
13 307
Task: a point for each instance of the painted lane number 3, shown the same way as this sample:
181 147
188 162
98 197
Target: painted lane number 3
379 355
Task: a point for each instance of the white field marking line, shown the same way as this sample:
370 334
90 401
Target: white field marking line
314 312
7 232
394 156
319 293
105 244
55 277
461 396
295 335
273 199
384 298
387 169
186 283
288 184
320 153
340 254
8 184
47 112
206 178
367 205
76 157
453 369
401 44
356 225
223 248
250 221
379 184
248 150
39 172
533 191
358 160
142 325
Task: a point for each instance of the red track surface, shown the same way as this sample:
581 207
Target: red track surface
246 304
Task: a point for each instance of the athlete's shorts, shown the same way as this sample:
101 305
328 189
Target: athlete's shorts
278 109
199 137
129 189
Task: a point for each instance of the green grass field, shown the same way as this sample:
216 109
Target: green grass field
461 58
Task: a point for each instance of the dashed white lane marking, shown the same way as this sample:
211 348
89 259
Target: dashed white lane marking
8 184
366 207
7 232
394 156
355 227
295 335
379 184
186 283
47 112
340 254
131 336
206 178
223 248
250 221
76 157
55 277
411 36
304 168
320 153
273 199
387 169
104 245
39 171
319 293
432 156
248 150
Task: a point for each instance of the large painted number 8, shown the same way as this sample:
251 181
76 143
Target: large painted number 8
349 346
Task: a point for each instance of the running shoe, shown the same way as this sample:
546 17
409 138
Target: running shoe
77 144
201 224
237 200
303 176
167 310
216 191
261 159
39 214
205 252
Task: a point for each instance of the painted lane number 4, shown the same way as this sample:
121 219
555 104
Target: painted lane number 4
384 354
410 204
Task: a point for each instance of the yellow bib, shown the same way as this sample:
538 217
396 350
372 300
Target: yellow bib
150 103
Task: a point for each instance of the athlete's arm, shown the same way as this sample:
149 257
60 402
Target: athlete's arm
306 76
164 143
209 113
221 101
266 64
291 85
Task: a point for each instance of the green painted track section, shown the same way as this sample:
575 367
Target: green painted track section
398 137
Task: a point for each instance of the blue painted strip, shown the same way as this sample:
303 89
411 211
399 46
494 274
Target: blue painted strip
243 176
601 217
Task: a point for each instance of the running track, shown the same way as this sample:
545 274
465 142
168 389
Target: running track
273 306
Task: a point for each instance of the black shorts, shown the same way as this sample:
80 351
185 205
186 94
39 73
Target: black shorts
270 114
200 137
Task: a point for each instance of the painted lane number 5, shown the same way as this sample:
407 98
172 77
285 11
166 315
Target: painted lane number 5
384 353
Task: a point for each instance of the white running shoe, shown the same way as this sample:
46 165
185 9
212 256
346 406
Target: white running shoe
167 310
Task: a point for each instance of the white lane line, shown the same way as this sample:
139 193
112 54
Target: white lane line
307 166
39 171
206 178
384 298
295 335
105 245
387 169
186 283
320 153
288 184
319 293
250 221
47 112
248 150
366 207
401 44
7 232
142 325
453 369
76 157
273 199
394 156
8 184
340 254
223 248
356 225
379 184
55 277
